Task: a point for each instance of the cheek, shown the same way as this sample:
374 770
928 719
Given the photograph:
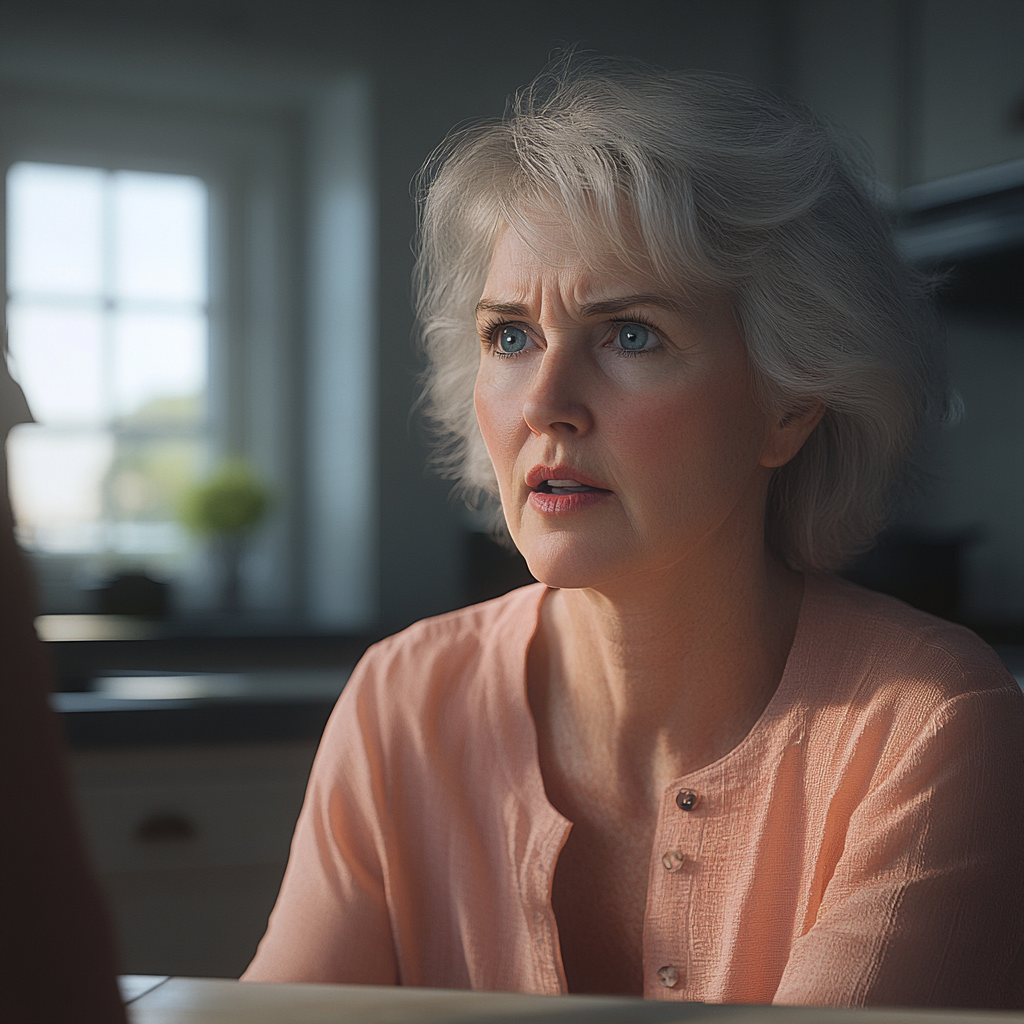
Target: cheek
688 445
498 414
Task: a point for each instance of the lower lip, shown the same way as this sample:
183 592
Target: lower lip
560 504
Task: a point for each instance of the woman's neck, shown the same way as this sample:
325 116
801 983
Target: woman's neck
652 677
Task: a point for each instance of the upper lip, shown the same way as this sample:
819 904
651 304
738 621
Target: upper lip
539 474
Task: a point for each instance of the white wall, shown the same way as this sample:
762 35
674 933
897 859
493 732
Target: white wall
340 375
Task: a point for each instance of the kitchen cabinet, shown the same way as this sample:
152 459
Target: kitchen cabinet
190 844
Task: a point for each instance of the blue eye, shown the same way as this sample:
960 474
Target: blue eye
512 340
634 337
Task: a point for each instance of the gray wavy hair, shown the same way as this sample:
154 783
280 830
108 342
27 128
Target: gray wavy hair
727 187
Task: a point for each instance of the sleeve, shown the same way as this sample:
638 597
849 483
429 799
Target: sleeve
331 921
925 906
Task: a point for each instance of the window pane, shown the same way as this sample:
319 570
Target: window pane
159 237
131 538
159 366
57 487
147 480
54 229
57 356
149 475
108 336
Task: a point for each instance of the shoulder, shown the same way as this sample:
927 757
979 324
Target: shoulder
444 667
895 669
458 640
886 636
895 699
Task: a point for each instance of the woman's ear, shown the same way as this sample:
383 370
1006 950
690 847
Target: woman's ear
788 435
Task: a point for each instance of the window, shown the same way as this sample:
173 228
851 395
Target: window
108 335
189 281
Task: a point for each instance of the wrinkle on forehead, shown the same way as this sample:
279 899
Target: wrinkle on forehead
588 269
564 238
608 229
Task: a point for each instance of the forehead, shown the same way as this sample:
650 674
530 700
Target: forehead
545 252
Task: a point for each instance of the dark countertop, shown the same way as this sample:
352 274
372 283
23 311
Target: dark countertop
156 710
83 647
126 681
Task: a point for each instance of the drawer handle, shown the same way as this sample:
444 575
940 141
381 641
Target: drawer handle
166 828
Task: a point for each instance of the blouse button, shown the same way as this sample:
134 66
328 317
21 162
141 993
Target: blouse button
686 799
668 976
673 860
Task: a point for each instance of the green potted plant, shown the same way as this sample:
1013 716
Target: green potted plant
227 507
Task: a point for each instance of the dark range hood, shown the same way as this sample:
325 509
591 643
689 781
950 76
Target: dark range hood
971 228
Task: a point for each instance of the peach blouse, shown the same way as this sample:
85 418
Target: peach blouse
862 845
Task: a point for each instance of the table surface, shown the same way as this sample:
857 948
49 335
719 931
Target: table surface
158 1000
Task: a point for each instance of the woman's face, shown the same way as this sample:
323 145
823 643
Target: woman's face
619 419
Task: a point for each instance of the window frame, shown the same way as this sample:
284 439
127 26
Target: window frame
107 304
247 161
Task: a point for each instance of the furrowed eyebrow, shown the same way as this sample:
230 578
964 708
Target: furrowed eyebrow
504 308
628 301
589 309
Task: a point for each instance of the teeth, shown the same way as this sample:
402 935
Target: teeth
567 486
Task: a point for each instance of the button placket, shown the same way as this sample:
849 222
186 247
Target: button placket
678 834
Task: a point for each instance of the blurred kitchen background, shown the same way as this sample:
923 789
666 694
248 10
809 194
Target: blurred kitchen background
224 495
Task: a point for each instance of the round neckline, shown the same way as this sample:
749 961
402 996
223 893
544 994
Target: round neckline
780 699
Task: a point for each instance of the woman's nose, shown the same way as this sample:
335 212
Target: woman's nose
557 399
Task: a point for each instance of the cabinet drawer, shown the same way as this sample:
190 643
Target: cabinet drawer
147 828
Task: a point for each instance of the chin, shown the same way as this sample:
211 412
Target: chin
568 562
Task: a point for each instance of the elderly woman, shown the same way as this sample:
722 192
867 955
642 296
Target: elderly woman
667 326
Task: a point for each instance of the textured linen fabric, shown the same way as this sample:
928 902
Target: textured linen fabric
862 845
